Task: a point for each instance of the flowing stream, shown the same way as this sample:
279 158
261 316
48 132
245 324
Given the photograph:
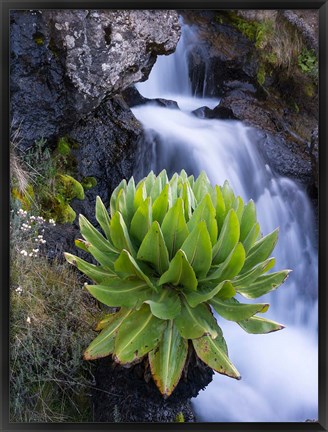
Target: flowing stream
279 370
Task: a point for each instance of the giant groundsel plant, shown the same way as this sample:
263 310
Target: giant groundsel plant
171 254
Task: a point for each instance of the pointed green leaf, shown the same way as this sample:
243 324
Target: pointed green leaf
103 345
140 333
191 181
256 325
230 267
251 237
166 304
204 293
121 204
149 182
174 187
119 234
141 221
196 322
121 292
261 250
163 177
205 211
130 193
201 186
198 249
248 220
174 227
127 266
105 321
264 284
168 359
102 217
183 176
228 195
153 249
140 195
227 291
95 273
232 310
220 208
112 203
238 206
162 204
105 259
156 189
214 354
189 200
93 236
81 244
228 238
180 272
244 280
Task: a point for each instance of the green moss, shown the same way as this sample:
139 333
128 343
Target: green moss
307 61
309 90
38 38
88 182
55 185
69 188
180 417
63 146
261 74
296 108
247 28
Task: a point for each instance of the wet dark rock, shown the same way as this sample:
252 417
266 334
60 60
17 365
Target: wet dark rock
218 112
130 395
109 145
133 98
282 157
65 62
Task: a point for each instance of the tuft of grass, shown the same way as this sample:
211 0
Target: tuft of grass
51 320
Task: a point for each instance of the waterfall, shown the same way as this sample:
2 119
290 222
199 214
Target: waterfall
279 370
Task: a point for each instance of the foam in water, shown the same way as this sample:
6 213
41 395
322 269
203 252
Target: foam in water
279 370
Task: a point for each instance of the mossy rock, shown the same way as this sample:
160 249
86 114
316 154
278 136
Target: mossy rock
69 188
88 182
63 146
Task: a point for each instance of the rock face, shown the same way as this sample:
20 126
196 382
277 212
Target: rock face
68 68
122 388
65 62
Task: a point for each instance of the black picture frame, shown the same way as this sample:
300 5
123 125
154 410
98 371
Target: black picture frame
322 6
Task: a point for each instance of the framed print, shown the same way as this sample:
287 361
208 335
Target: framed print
164 215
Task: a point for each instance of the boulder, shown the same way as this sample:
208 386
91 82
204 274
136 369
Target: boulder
133 98
65 62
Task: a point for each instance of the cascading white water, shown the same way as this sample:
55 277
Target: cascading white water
279 370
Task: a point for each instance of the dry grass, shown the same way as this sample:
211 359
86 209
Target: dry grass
51 320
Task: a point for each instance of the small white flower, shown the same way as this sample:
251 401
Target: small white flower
30 254
40 236
35 250
43 241
19 289
28 320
